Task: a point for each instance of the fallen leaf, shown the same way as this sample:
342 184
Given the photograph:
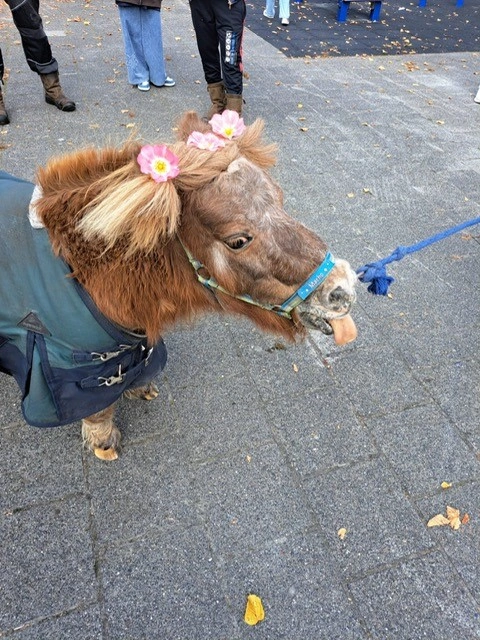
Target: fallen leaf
466 519
342 533
254 610
446 485
452 519
295 367
438 521
453 516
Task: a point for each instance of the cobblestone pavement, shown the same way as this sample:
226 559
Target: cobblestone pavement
238 478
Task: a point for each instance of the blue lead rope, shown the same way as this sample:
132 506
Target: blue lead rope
376 273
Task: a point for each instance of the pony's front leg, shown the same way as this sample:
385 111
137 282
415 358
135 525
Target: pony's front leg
100 435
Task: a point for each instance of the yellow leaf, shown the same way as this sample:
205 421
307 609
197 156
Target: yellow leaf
295 367
453 516
438 521
254 610
342 533
446 485
452 512
350 195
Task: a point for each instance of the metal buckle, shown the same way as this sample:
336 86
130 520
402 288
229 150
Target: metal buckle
115 379
108 355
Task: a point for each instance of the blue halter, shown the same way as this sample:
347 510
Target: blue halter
285 309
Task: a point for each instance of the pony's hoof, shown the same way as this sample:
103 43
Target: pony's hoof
106 454
151 392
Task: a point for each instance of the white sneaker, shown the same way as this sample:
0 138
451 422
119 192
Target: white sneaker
267 16
144 86
477 97
285 21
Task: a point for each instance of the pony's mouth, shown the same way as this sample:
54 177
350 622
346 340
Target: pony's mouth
341 326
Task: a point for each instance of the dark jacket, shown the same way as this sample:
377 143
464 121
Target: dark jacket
68 359
151 4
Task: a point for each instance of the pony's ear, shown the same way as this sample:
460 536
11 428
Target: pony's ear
191 121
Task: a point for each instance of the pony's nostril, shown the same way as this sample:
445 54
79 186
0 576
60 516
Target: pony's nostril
339 297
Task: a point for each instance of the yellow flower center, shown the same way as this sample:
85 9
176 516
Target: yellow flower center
229 131
160 165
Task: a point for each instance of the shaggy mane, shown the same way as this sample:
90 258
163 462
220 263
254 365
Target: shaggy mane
105 196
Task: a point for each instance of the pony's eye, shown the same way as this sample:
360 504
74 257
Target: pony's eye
238 242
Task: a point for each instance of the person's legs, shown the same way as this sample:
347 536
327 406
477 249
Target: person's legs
151 25
284 9
229 24
38 52
269 9
203 19
3 112
131 21
34 39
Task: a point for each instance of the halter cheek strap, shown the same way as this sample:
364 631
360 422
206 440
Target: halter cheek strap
285 309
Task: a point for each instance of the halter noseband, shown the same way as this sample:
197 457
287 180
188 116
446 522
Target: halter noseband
285 309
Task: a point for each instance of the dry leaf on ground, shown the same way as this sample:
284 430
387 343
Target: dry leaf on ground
254 610
452 518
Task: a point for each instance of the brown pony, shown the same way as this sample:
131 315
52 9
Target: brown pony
133 244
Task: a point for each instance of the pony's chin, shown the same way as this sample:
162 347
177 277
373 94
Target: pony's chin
316 322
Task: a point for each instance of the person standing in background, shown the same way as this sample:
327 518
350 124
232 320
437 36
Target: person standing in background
142 37
38 53
283 10
218 27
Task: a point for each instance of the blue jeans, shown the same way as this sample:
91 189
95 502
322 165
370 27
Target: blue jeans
142 37
284 8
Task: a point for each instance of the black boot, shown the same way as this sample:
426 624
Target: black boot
54 94
3 113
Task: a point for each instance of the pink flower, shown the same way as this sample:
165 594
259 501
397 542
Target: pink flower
228 124
208 141
158 161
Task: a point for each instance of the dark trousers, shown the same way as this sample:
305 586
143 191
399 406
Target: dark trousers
34 39
219 31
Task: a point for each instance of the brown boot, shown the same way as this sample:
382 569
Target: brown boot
3 113
217 96
234 103
54 94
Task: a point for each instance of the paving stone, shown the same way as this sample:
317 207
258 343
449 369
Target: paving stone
165 587
320 430
439 451
369 390
381 524
47 562
455 387
461 545
247 499
148 488
75 625
417 599
39 465
297 580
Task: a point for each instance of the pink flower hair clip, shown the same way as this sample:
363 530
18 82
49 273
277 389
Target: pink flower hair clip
208 141
158 162
227 125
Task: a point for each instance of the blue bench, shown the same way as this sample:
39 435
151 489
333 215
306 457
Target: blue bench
375 8
423 3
